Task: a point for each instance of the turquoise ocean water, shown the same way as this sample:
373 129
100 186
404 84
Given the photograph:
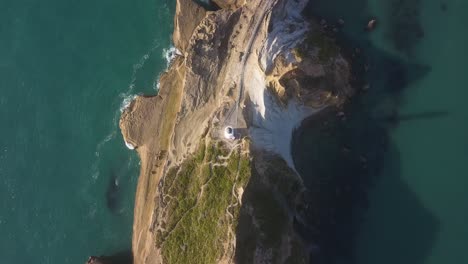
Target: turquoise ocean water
65 69
67 66
425 223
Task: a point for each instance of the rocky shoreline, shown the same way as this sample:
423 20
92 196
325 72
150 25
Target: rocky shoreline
261 68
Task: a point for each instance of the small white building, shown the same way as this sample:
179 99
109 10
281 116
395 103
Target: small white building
229 133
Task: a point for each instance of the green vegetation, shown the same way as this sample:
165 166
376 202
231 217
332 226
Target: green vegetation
200 202
327 48
199 193
171 105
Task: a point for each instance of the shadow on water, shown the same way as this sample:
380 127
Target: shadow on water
405 30
207 4
400 229
402 29
342 159
341 162
117 185
121 257
394 119
113 194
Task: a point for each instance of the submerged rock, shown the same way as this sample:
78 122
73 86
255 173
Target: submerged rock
124 257
371 25
96 260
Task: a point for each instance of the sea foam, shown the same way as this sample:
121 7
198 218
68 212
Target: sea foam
170 54
129 145
127 100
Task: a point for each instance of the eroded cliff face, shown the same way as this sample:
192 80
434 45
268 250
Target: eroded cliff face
229 4
258 67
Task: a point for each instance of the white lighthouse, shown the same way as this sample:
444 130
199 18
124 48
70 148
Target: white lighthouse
229 133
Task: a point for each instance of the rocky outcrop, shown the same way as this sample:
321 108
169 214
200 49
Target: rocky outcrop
95 260
305 76
188 15
239 66
231 4
124 257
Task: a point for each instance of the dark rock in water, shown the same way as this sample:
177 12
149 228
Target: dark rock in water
124 257
95 260
113 194
371 24
405 29
208 5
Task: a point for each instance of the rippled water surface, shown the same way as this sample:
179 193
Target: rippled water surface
417 207
67 180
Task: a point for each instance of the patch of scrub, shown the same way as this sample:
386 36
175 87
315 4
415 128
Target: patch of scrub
200 204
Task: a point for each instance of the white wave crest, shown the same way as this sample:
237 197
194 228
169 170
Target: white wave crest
97 153
129 145
137 66
104 141
127 100
170 54
156 84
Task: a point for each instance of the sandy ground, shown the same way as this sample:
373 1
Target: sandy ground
273 124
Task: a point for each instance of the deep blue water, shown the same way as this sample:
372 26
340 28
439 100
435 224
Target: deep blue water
410 203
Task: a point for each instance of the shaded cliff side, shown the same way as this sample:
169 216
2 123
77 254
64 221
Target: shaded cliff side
260 68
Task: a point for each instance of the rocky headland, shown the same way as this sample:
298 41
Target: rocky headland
260 68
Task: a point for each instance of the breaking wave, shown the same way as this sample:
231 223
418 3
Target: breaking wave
140 64
170 54
128 96
104 141
127 100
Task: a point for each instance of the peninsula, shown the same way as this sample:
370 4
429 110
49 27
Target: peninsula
259 68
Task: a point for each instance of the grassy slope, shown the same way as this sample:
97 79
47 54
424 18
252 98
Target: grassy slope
199 194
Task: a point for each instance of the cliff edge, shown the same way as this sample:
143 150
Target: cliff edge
206 197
